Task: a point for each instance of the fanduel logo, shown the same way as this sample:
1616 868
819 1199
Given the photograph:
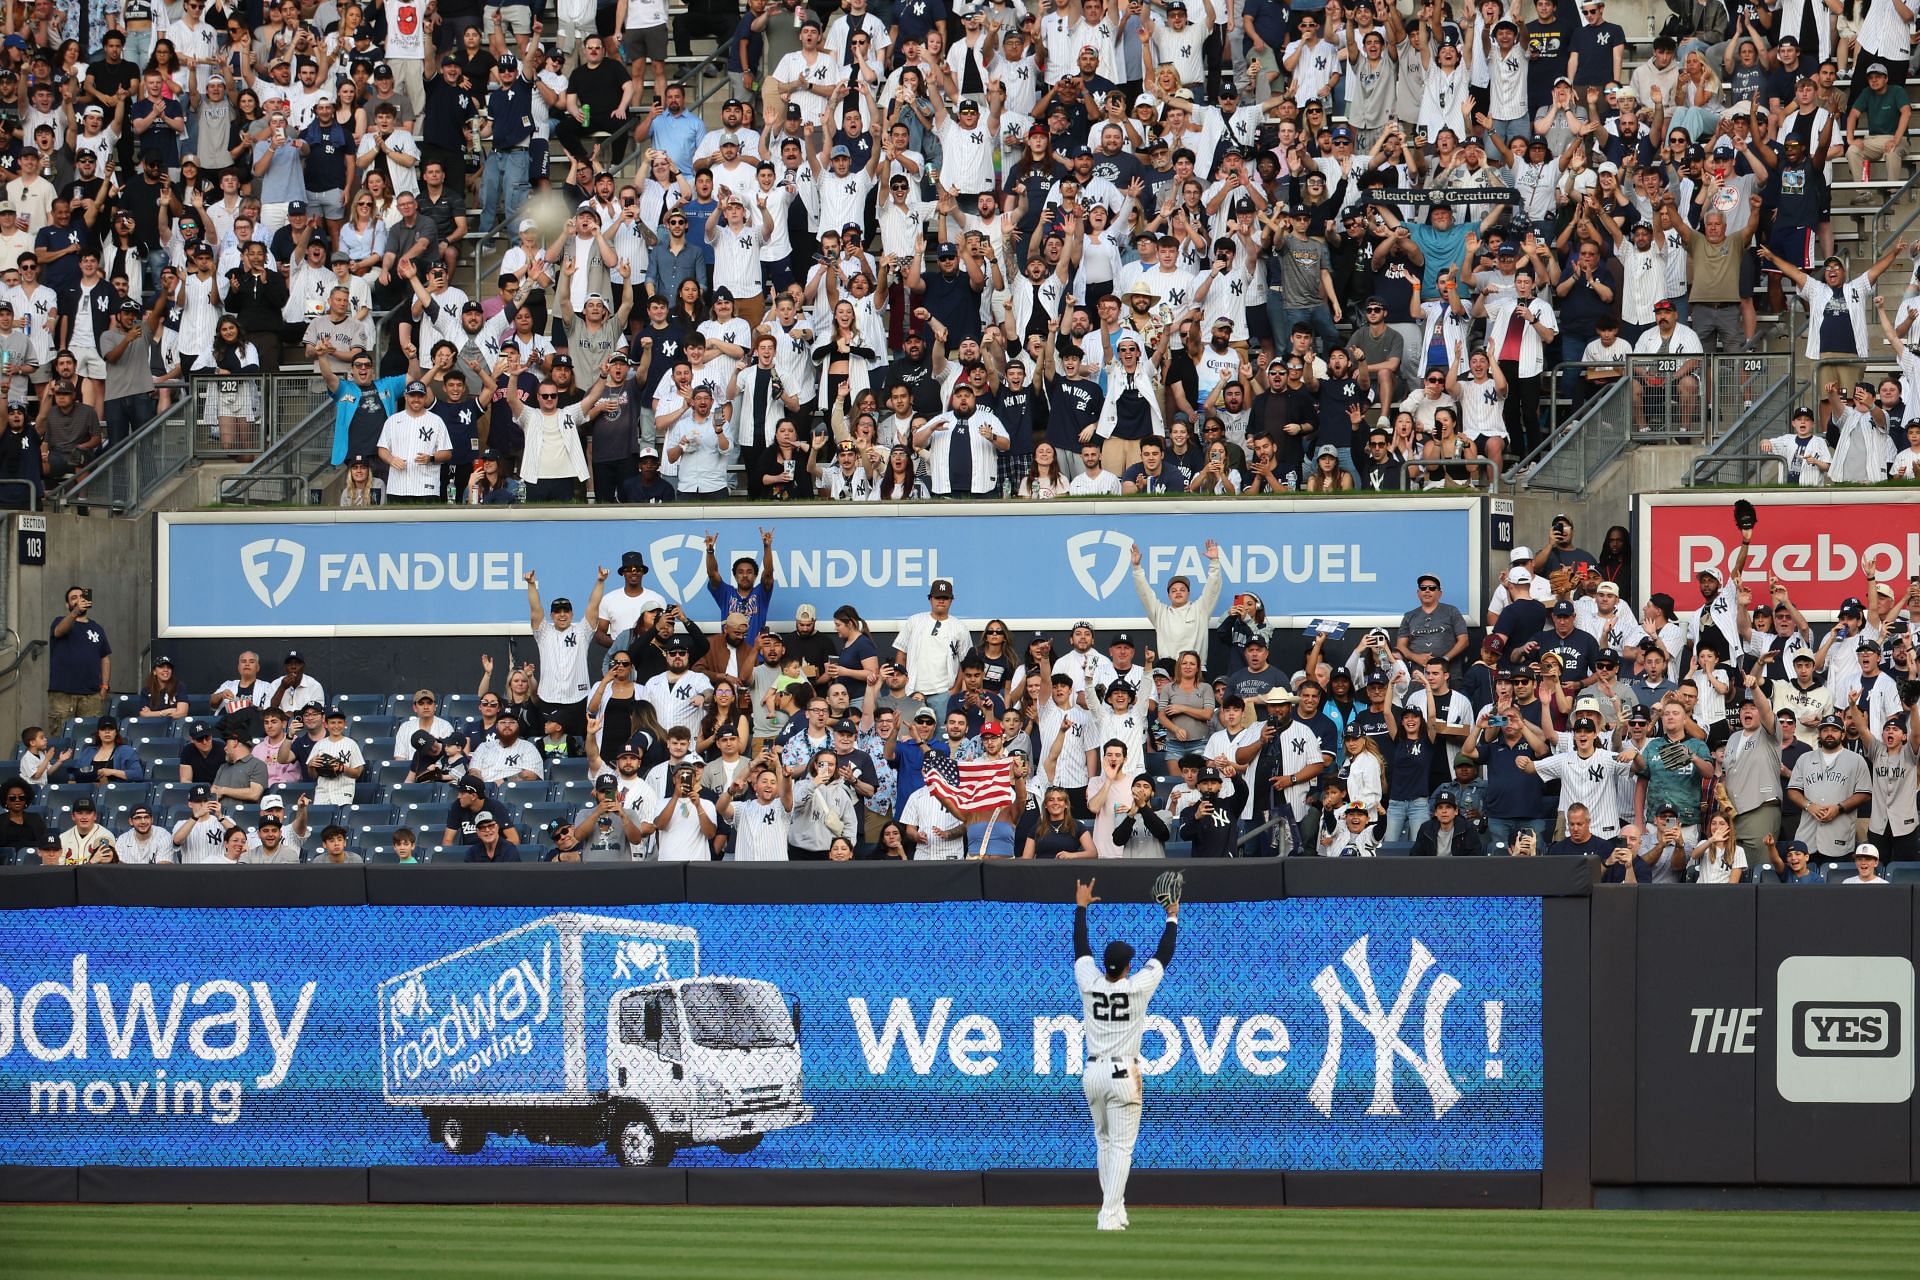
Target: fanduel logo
1383 1025
1083 556
680 581
1846 1034
256 565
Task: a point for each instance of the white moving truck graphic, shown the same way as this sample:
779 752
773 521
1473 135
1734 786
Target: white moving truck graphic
581 1030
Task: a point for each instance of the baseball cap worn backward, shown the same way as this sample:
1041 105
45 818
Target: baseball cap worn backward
1117 957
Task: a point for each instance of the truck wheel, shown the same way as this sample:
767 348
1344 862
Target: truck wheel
460 1137
740 1146
636 1144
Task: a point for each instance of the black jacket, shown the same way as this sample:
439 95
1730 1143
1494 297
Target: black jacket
1466 840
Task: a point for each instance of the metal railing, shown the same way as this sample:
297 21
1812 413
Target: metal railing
126 475
1883 230
1708 471
1657 399
286 472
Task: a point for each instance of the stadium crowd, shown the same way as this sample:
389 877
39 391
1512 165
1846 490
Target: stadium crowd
920 253
1703 740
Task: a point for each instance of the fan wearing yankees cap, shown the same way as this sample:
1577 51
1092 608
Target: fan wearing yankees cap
1831 784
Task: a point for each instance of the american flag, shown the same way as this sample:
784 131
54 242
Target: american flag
974 784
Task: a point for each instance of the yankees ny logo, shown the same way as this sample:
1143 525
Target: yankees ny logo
1384 1026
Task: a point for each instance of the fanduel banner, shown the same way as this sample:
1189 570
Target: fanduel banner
1819 543
1309 1033
1034 564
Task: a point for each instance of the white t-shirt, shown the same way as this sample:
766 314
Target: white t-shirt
406 30
622 612
563 661
824 70
642 14
682 841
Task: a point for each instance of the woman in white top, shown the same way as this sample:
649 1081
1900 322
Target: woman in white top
897 482
1045 480
1366 773
664 190
1719 858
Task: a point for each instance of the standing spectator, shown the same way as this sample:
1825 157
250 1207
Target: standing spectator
563 642
79 662
1830 784
1182 622
1433 627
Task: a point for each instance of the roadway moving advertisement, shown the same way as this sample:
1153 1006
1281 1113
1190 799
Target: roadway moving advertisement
1308 1033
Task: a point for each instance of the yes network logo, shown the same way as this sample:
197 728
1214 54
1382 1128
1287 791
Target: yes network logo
678 578
257 562
1847 1029
1085 552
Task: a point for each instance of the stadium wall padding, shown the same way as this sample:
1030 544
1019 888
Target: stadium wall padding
1688 1040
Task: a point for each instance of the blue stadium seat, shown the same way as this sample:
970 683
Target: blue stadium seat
1397 849
1179 848
427 820
573 791
156 730
1838 871
161 758
61 795
79 729
408 793
357 815
390 773
373 731
169 793
294 790
367 791
125 704
541 816
523 792
122 794
455 707
442 853
361 704
573 769
379 855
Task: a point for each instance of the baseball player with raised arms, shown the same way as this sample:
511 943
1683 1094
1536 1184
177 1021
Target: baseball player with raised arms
1113 1011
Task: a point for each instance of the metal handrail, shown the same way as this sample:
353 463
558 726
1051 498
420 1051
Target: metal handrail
1882 233
96 482
1704 467
26 654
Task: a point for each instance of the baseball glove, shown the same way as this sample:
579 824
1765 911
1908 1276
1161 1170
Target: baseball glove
1166 889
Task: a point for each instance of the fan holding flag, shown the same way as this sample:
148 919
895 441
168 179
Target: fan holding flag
988 793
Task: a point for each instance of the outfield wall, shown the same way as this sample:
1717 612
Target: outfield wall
1495 1033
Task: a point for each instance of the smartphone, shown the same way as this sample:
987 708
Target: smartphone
1497 722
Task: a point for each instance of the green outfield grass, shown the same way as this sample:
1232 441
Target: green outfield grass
968 1244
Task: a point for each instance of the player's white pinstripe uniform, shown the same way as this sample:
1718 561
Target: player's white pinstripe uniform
1113 1013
